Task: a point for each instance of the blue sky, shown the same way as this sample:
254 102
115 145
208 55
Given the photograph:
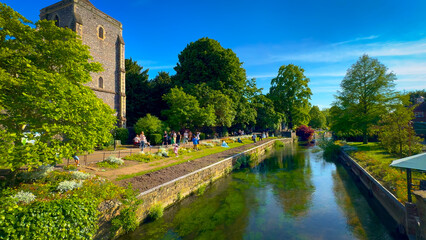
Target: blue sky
323 37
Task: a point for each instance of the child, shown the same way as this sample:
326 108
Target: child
76 159
176 150
195 142
224 144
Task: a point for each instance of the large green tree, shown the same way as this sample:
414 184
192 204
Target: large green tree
185 111
267 117
290 93
158 86
365 93
396 132
137 91
47 114
317 117
214 75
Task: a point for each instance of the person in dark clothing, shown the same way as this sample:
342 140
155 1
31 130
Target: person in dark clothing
165 139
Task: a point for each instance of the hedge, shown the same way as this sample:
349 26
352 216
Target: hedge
68 218
122 134
155 139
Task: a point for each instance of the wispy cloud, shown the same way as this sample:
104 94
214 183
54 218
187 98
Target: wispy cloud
348 50
355 40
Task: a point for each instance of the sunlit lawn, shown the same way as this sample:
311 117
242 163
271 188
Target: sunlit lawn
188 157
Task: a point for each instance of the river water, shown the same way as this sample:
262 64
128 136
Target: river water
293 194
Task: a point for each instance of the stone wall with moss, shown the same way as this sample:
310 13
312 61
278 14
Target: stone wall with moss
171 192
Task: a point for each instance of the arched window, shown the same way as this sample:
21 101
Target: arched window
101 82
101 32
56 19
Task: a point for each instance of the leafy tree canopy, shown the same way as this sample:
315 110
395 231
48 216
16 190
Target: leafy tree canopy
46 112
317 118
137 91
206 61
290 93
185 111
149 125
366 91
396 132
267 117
215 76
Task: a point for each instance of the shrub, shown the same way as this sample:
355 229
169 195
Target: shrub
68 185
66 218
142 157
122 134
156 212
305 133
80 175
114 160
37 174
25 197
278 144
155 139
331 150
149 125
70 167
127 220
202 136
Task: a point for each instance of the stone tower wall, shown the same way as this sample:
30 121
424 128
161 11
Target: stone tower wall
85 19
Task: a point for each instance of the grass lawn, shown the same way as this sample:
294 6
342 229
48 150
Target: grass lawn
376 161
188 157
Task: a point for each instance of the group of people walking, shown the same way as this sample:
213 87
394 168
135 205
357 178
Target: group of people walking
169 138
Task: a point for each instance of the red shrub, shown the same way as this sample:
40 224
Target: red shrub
305 133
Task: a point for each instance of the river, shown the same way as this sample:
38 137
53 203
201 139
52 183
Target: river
293 194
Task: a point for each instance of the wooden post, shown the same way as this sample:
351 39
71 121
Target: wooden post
409 184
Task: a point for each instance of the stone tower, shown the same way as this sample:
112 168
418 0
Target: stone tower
103 34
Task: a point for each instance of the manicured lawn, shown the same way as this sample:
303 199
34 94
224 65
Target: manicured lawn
189 157
376 161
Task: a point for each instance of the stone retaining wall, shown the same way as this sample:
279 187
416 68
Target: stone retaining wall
171 192
389 202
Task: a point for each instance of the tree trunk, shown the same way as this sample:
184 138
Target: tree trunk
364 137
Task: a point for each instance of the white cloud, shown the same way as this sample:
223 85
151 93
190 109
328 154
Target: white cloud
331 53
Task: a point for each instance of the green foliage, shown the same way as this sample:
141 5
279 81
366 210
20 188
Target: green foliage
156 211
202 136
24 197
122 134
290 93
214 75
331 151
67 218
149 125
366 91
396 132
137 91
317 117
376 161
69 185
201 190
142 157
206 61
185 111
267 117
43 97
155 139
278 144
127 219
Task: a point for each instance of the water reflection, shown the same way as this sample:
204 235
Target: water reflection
292 194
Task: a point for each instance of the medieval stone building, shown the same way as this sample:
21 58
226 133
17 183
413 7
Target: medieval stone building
103 35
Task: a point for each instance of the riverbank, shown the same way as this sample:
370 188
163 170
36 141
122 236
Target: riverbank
175 183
